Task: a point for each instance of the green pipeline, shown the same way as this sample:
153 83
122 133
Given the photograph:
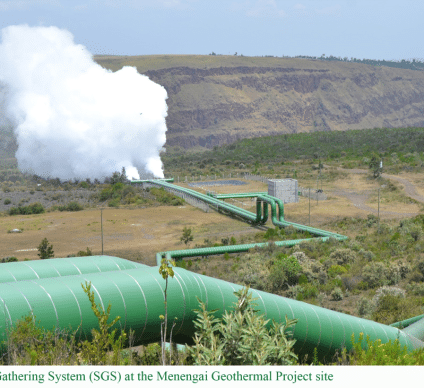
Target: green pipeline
137 297
259 217
39 269
237 195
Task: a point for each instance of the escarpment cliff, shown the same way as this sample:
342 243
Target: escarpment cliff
215 100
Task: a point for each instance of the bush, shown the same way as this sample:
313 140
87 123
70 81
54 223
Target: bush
375 274
151 355
367 352
71 207
9 259
7 201
241 337
365 308
30 344
35 208
343 256
85 253
337 294
335 270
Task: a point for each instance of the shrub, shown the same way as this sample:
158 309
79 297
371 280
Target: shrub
337 294
343 256
241 337
386 290
9 259
284 271
365 307
375 274
367 352
30 344
104 348
71 207
7 201
74 206
85 253
335 270
150 355
35 208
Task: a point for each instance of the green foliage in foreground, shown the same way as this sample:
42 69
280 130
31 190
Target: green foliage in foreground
241 337
105 346
376 353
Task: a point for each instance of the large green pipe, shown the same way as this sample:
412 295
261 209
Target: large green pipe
238 195
137 296
246 214
38 269
209 251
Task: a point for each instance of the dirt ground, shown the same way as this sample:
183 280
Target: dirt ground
138 234
135 234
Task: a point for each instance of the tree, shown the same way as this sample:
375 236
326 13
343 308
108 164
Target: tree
375 166
187 236
45 251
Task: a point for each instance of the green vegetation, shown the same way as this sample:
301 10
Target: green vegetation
187 236
415 64
399 149
379 275
241 337
71 207
105 347
45 250
166 271
367 352
35 208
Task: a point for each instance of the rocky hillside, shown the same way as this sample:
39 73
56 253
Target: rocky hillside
215 100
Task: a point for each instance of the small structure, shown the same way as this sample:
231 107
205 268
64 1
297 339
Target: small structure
284 189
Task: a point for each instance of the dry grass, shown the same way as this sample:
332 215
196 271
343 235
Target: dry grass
139 233
130 233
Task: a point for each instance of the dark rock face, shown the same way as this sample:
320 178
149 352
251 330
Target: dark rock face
215 101
230 103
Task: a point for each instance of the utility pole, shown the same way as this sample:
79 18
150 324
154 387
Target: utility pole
101 225
309 206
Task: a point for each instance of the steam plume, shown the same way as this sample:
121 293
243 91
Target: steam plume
73 118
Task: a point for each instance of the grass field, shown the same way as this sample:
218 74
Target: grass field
137 234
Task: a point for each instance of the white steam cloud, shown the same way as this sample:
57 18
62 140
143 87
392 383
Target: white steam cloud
73 118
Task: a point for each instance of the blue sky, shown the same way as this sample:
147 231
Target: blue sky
374 29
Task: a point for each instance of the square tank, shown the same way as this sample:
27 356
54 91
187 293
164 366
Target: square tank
284 189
